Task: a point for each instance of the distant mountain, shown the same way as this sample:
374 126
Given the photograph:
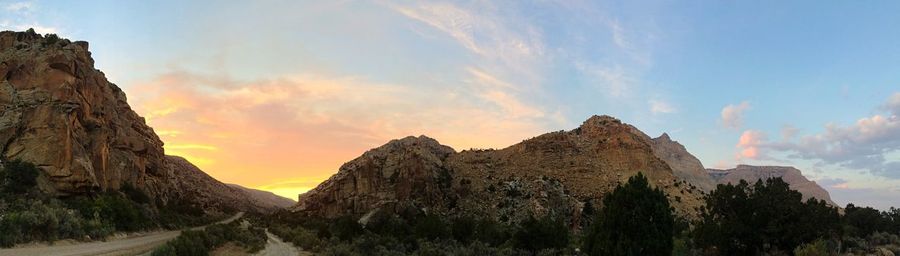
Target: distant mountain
556 173
684 165
266 199
60 113
791 175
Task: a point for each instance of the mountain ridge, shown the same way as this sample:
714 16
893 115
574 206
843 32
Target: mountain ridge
793 176
557 173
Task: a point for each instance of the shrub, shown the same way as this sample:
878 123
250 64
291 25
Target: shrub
431 227
346 228
817 248
18 176
537 234
36 220
635 220
125 214
201 242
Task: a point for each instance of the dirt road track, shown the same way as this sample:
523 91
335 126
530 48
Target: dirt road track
128 246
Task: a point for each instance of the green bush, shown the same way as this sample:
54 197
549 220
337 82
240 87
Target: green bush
36 220
538 234
201 242
126 215
299 236
635 220
431 227
817 248
346 228
18 177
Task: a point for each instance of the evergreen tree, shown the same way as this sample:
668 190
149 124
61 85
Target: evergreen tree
634 220
765 217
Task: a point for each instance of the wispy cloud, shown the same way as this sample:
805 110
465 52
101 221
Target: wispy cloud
19 6
732 116
661 107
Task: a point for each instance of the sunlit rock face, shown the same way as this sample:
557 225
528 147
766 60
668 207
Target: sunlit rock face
556 173
684 165
791 175
61 114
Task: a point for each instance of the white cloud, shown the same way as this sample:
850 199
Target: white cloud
869 144
893 104
661 107
482 30
733 115
19 7
618 35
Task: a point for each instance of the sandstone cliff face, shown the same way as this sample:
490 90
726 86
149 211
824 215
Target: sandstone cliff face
61 114
408 171
684 165
555 173
791 175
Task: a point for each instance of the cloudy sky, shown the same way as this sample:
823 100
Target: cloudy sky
277 95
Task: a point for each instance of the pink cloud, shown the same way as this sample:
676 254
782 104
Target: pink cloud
749 145
733 115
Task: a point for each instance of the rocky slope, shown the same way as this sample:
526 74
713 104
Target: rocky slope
265 199
555 173
60 113
684 165
791 175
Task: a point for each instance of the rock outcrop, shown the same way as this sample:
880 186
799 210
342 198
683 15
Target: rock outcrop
556 173
791 175
684 165
61 114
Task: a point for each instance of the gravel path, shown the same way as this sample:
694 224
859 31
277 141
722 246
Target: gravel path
276 247
127 246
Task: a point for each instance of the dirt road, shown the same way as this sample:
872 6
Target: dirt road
127 246
276 247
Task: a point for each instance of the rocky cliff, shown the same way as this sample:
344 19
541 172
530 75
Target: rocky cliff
60 113
555 173
791 175
684 165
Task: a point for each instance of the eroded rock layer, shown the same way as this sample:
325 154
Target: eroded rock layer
556 173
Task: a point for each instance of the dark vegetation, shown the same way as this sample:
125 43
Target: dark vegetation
29 215
201 242
422 234
763 218
635 220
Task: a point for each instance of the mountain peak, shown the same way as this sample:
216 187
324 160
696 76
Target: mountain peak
600 120
664 137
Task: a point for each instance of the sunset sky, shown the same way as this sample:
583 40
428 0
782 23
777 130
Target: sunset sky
276 95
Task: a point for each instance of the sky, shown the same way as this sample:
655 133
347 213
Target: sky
276 95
